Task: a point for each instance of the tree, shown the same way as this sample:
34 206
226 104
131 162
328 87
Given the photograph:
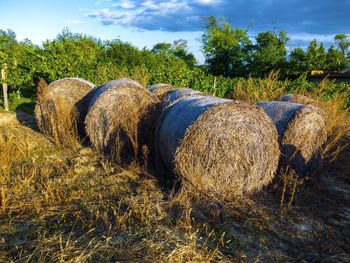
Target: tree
226 49
297 63
178 49
343 43
316 56
269 52
70 55
335 60
322 57
21 59
162 48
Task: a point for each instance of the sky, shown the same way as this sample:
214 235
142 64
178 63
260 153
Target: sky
145 23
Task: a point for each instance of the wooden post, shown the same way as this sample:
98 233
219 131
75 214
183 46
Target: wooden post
214 87
4 86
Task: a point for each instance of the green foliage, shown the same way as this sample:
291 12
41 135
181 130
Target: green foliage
343 43
229 54
316 56
269 53
298 63
20 104
226 49
178 49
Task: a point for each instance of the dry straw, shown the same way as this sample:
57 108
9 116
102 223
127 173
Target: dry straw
297 98
302 131
224 148
161 89
173 96
61 109
120 119
168 96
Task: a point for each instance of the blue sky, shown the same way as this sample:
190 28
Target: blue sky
145 23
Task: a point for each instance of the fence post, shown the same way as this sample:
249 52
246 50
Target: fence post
214 87
4 86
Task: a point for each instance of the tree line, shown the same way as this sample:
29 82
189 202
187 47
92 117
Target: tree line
229 53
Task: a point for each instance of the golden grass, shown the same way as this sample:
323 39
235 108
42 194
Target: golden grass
59 205
260 89
78 207
337 118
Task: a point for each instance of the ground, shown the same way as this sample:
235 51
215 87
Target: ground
60 205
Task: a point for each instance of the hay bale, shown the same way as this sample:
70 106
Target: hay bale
297 98
61 108
120 119
302 131
161 89
173 96
224 148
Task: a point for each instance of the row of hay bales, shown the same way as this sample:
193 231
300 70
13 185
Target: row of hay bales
222 147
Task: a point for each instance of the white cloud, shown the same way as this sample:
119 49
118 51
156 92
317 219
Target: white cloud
73 22
124 4
165 7
306 37
174 15
207 2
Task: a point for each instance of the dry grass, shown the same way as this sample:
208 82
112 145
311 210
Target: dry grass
260 89
337 118
78 207
59 205
75 206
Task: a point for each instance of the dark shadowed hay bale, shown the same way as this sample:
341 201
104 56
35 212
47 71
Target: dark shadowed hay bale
302 131
61 108
224 148
120 119
169 98
297 98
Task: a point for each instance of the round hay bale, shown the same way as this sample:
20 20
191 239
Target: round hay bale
302 131
173 96
297 98
224 148
169 98
62 107
120 119
161 89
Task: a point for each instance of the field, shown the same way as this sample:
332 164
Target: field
71 205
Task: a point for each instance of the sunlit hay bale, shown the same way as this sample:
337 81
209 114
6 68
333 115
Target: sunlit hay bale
302 131
61 109
120 119
297 98
161 89
224 148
